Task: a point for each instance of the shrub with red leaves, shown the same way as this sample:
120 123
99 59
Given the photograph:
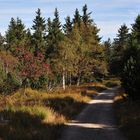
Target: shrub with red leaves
31 66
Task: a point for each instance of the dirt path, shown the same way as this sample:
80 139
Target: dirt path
96 121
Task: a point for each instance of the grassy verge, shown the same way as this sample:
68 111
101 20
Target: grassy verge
128 115
38 115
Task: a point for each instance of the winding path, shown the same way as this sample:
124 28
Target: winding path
96 121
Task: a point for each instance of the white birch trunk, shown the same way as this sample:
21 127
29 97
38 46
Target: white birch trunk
64 80
78 81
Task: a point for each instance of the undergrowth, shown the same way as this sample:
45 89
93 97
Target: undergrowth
128 115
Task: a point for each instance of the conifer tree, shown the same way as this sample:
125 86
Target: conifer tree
87 52
136 30
67 26
39 28
130 75
119 45
108 51
77 17
54 37
122 38
86 16
56 27
29 40
107 45
15 35
99 67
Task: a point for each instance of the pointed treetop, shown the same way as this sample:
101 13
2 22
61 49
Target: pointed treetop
122 36
39 22
68 25
39 28
86 16
56 22
56 14
77 17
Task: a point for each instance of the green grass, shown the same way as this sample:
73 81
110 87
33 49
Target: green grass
128 115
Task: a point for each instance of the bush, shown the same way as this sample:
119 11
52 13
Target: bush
10 84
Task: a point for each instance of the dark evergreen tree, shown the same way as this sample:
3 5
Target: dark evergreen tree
119 45
39 28
49 25
108 51
54 37
77 17
67 26
29 41
56 26
121 40
15 35
86 16
130 76
136 29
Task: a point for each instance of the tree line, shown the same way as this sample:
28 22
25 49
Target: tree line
51 54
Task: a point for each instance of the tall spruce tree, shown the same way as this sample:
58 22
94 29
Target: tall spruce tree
15 35
54 37
122 38
119 45
108 51
86 16
39 28
67 26
77 17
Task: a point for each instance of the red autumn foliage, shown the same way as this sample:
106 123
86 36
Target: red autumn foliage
32 66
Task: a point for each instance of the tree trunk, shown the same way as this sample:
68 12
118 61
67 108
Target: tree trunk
64 80
78 81
70 80
24 90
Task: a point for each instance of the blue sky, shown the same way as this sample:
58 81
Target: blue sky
107 14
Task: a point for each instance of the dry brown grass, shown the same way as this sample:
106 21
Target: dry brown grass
37 114
128 115
41 115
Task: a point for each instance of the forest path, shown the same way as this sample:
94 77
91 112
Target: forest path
96 121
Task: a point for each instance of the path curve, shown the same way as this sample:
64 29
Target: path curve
96 121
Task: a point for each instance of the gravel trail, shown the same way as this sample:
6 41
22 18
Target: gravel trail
96 121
